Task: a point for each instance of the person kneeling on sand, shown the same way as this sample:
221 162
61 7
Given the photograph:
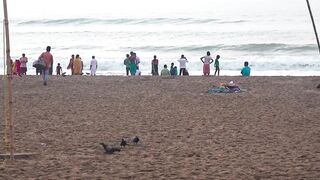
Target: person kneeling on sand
165 71
246 70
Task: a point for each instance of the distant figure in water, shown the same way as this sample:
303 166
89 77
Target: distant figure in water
183 65
59 69
93 66
126 62
246 70
206 60
154 66
217 65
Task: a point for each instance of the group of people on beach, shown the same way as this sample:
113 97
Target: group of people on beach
44 66
132 62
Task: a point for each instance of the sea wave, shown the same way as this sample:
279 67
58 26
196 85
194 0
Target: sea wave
267 47
125 21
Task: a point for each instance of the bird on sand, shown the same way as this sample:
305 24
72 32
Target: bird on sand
135 139
109 149
123 143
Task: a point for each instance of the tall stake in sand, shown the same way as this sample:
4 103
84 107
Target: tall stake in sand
8 77
314 25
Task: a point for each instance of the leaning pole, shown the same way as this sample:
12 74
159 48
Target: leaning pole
314 25
8 78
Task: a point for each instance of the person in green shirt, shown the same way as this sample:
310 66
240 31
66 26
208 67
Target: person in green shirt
127 63
217 65
246 70
165 71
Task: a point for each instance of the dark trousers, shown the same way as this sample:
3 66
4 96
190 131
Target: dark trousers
127 70
182 71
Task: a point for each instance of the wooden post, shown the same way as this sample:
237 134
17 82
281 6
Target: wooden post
9 79
314 25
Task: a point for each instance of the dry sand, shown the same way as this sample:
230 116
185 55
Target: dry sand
272 131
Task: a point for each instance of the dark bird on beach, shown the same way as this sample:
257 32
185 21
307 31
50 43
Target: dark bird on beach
318 86
135 139
123 143
64 74
109 149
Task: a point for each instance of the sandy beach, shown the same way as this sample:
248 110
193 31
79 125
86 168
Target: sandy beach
271 131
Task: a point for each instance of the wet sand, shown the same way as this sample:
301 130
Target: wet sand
271 131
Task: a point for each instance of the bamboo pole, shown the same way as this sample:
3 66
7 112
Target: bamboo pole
314 25
9 80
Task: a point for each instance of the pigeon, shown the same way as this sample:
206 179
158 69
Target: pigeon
109 149
135 139
123 143
64 74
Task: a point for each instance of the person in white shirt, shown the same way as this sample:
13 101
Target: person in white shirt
93 66
183 65
23 61
206 60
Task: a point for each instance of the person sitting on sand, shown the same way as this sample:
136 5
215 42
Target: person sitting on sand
217 65
183 61
77 69
246 70
206 60
59 69
165 71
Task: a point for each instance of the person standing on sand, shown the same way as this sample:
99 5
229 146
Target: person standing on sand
93 66
217 65
23 62
206 60
133 66
48 60
58 69
77 65
154 66
70 66
183 67
246 70
126 62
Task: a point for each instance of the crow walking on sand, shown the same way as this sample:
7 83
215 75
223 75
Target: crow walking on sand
109 149
135 139
123 143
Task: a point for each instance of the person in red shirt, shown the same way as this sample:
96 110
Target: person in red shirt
48 60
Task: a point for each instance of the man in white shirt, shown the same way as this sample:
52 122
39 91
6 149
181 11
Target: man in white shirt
183 65
93 66
23 61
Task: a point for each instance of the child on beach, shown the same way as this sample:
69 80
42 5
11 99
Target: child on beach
246 70
18 67
59 69
173 70
217 65
126 62
165 71
206 60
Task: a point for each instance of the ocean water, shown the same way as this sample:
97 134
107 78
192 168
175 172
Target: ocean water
276 38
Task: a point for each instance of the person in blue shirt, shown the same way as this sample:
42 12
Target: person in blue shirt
246 70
